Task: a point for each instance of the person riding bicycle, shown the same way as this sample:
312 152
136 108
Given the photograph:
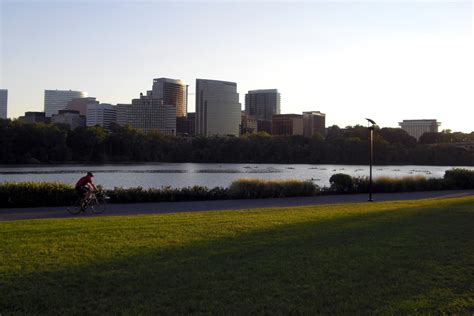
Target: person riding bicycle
85 187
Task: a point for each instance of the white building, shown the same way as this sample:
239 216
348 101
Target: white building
69 117
148 117
101 114
3 103
55 100
218 111
416 128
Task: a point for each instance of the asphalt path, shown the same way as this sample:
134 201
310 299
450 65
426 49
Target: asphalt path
197 206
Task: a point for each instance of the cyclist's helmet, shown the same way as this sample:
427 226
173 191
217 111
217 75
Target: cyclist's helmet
90 174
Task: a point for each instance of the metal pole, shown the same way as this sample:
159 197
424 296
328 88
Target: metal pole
371 153
371 161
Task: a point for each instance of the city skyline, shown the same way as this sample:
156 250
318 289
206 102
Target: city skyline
391 61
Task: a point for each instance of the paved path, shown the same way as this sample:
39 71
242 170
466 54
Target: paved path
176 207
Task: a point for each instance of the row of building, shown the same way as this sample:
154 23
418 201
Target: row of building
165 108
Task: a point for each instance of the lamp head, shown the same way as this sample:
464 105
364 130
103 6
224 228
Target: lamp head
371 121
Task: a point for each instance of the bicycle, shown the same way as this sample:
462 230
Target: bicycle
97 203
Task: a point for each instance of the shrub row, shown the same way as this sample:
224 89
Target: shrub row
30 194
457 178
258 189
25 194
166 194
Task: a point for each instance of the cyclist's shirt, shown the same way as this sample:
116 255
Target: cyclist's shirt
83 181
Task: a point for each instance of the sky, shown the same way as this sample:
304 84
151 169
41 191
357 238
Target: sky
386 60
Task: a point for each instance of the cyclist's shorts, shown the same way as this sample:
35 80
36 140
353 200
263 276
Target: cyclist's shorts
81 191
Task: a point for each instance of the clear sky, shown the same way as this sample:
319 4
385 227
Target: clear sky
387 60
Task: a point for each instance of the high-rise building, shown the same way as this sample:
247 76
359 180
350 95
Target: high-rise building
3 103
171 92
416 128
80 104
314 122
287 124
69 117
217 108
55 100
147 117
158 109
101 114
262 104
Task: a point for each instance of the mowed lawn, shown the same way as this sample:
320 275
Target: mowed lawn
389 258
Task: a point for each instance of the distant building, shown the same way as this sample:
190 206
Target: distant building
80 104
248 124
217 108
264 126
35 117
55 100
69 117
3 103
262 104
416 128
287 124
148 117
314 122
186 126
171 92
101 114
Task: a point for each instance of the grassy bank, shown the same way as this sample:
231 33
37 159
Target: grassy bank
389 258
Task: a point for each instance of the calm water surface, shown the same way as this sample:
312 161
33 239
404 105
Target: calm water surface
210 175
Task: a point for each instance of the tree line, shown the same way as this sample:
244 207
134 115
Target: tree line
49 143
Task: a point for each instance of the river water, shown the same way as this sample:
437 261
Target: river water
210 175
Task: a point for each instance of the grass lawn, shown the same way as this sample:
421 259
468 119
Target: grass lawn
389 258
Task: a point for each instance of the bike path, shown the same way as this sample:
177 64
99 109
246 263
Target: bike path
196 206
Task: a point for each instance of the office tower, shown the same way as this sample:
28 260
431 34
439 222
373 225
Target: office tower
35 117
55 100
262 104
217 108
314 122
171 92
80 104
101 114
3 103
148 117
416 128
69 117
287 124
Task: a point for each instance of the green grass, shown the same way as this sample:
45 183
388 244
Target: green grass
384 258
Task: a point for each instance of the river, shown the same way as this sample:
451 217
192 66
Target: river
210 175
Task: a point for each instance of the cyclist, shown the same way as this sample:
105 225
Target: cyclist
84 187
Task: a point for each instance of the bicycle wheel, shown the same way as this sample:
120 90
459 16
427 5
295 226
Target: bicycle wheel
98 205
75 207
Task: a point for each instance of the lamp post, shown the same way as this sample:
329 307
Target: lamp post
371 153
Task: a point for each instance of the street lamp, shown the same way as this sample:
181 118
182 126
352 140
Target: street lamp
371 153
